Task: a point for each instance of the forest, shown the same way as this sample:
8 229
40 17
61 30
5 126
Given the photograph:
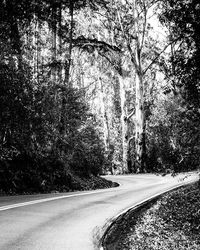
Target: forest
93 87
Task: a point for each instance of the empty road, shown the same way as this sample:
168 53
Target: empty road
73 221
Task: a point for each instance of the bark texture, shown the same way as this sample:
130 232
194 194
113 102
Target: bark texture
123 125
139 124
106 130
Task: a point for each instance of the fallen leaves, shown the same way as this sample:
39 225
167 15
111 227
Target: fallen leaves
173 222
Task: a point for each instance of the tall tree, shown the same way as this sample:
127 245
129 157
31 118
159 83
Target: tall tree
130 43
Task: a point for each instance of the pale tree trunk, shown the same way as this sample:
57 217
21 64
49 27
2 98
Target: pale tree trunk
69 56
67 67
139 95
104 117
123 125
36 53
54 43
139 124
135 54
139 92
60 74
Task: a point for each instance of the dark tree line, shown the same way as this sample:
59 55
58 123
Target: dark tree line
176 138
47 133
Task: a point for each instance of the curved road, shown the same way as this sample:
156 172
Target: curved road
73 221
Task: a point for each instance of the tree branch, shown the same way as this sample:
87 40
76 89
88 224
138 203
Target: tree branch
144 26
156 58
81 41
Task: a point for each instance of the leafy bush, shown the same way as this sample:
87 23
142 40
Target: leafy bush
173 137
88 157
46 135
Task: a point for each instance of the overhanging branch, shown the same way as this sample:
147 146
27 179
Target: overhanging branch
83 42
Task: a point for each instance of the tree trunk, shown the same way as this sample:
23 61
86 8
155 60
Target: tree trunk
36 53
54 43
139 124
67 70
60 68
104 118
123 125
69 56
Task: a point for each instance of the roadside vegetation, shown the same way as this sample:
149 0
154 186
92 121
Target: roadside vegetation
173 222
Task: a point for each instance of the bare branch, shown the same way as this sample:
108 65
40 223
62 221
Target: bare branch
144 26
96 44
131 54
120 22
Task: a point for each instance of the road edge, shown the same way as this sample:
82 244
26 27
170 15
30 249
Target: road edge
109 224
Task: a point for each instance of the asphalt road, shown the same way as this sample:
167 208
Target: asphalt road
72 221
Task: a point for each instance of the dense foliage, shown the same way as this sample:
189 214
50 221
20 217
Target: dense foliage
174 125
173 136
35 153
182 19
48 136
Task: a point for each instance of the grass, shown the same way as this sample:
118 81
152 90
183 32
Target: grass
173 222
